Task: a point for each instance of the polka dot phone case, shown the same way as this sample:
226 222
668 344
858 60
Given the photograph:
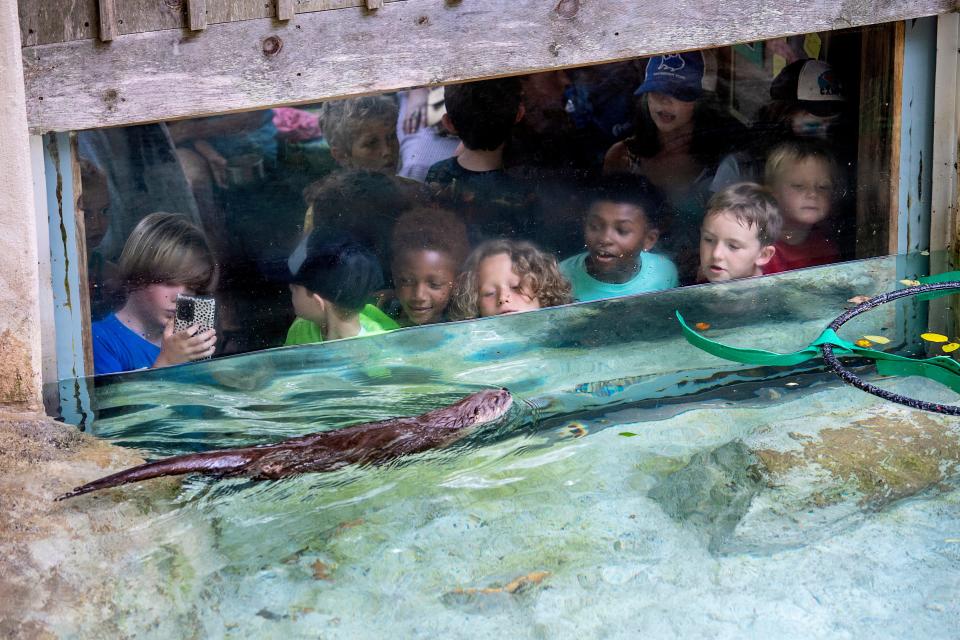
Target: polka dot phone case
195 310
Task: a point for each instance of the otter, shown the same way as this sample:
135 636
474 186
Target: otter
368 443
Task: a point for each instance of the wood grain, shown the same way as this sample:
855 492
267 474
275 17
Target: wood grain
83 295
329 54
285 9
878 155
108 20
197 14
52 21
57 21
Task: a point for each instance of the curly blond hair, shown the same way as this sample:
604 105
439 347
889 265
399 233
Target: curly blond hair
538 271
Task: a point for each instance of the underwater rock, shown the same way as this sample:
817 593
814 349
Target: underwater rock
880 459
782 488
713 491
70 572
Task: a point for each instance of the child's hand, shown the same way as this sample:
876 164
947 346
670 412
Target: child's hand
415 114
185 346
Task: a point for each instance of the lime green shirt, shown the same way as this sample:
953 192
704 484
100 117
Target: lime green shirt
372 321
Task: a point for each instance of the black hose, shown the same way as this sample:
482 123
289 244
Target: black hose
850 378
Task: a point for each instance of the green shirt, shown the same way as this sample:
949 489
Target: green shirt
372 321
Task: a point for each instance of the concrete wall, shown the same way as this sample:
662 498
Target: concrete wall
20 364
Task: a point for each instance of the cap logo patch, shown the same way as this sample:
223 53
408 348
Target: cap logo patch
828 84
672 62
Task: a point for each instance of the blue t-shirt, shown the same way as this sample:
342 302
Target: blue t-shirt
117 348
656 272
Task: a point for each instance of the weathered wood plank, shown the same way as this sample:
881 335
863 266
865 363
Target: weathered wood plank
197 14
137 16
373 5
80 234
285 9
61 21
52 21
878 156
108 20
330 54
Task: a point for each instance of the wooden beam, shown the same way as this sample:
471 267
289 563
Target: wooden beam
285 10
51 21
945 194
373 5
82 295
197 14
878 156
108 20
162 76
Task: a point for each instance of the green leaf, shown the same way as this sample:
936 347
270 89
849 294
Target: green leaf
627 434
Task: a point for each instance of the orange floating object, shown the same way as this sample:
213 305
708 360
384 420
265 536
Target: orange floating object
863 343
702 326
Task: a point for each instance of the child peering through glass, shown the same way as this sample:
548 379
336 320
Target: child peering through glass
508 276
428 248
165 255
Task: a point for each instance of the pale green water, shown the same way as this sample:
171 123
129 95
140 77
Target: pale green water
378 552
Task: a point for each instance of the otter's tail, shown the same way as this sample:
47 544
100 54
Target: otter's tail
221 463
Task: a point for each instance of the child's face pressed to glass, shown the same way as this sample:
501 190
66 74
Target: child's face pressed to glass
615 233
729 249
423 281
669 113
804 191
501 290
376 148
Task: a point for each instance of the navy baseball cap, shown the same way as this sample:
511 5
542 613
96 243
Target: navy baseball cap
676 74
336 267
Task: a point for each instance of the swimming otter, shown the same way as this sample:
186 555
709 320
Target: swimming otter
372 442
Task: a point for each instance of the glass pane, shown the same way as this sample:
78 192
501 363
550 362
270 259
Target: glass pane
358 216
633 469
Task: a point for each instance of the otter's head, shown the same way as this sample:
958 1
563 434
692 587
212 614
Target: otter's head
486 406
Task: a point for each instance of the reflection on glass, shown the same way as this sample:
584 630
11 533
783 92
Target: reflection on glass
629 177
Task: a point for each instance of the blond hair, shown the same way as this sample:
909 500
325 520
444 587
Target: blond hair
167 247
752 205
787 154
343 120
538 271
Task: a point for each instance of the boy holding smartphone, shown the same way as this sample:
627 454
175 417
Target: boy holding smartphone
166 255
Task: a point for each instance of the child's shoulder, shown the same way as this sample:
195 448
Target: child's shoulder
375 320
574 264
444 171
303 331
660 269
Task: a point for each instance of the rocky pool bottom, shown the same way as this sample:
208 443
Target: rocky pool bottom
803 511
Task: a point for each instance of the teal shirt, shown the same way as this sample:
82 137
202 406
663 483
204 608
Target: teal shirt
656 273
372 321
